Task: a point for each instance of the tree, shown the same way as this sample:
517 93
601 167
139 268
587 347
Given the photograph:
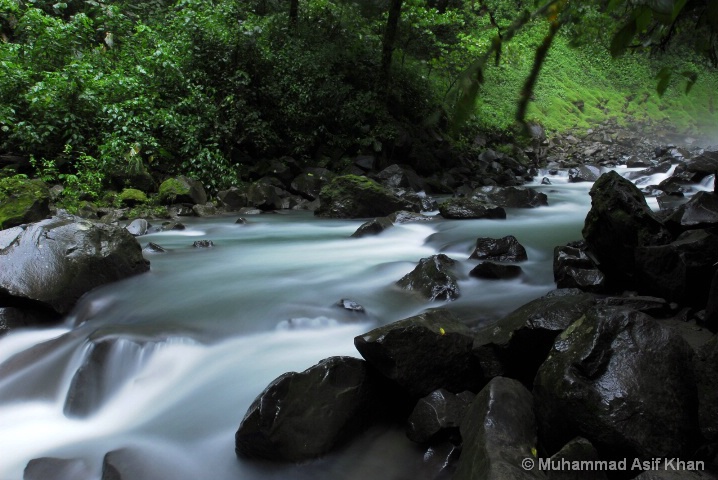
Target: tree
387 47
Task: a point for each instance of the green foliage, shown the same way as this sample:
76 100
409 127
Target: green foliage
131 197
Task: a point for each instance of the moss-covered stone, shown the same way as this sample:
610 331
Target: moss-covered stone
354 196
181 190
22 201
131 197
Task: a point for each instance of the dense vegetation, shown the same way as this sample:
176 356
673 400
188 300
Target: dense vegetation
94 91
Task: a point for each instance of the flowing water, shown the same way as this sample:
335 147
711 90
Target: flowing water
174 357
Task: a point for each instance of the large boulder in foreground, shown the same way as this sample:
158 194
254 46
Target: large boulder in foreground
433 279
619 221
424 353
623 381
22 201
56 261
469 208
304 415
499 432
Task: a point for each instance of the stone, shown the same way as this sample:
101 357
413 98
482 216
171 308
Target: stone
468 208
350 305
577 450
206 210
499 432
301 416
232 199
309 183
584 173
572 268
49 468
22 201
495 271
623 381
407 217
511 197
711 319
504 249
131 197
373 227
424 353
154 248
74 256
437 416
433 279
398 176
701 211
14 317
203 244
352 196
182 190
138 227
706 367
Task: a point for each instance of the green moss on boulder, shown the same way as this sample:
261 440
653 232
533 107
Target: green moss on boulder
131 197
182 190
22 201
353 196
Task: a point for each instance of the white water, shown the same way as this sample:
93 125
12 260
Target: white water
207 329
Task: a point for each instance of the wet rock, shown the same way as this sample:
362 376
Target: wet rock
138 227
711 319
499 431
407 217
653 306
49 468
350 305
203 244
249 211
696 169
309 183
134 463
365 162
182 190
241 221
351 196
468 208
545 181
438 416
505 249
180 210
265 196
577 450
518 344
27 316
511 197
373 227
440 460
706 365
304 415
206 210
424 353
619 221
680 271
172 225
397 176
584 173
624 382
432 278
232 199
154 248
58 260
572 268
701 211
495 271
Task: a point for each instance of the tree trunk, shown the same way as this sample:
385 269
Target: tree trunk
392 25
293 13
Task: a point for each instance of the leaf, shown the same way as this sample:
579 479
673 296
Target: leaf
623 38
664 78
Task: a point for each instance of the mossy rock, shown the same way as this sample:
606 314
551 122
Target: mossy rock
354 196
23 201
131 197
182 190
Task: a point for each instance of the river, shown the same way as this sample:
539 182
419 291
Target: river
196 339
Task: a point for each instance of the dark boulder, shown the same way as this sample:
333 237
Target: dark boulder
572 268
437 417
653 306
584 173
400 176
505 249
26 316
698 168
373 227
182 190
203 244
350 305
619 221
134 463
706 365
23 201
577 450
499 432
701 211
433 279
711 319
680 271
265 196
511 197
56 261
154 248
206 210
309 183
495 271
49 468
468 208
233 198
623 381
406 217
518 344
304 415
424 353
351 196
283 169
